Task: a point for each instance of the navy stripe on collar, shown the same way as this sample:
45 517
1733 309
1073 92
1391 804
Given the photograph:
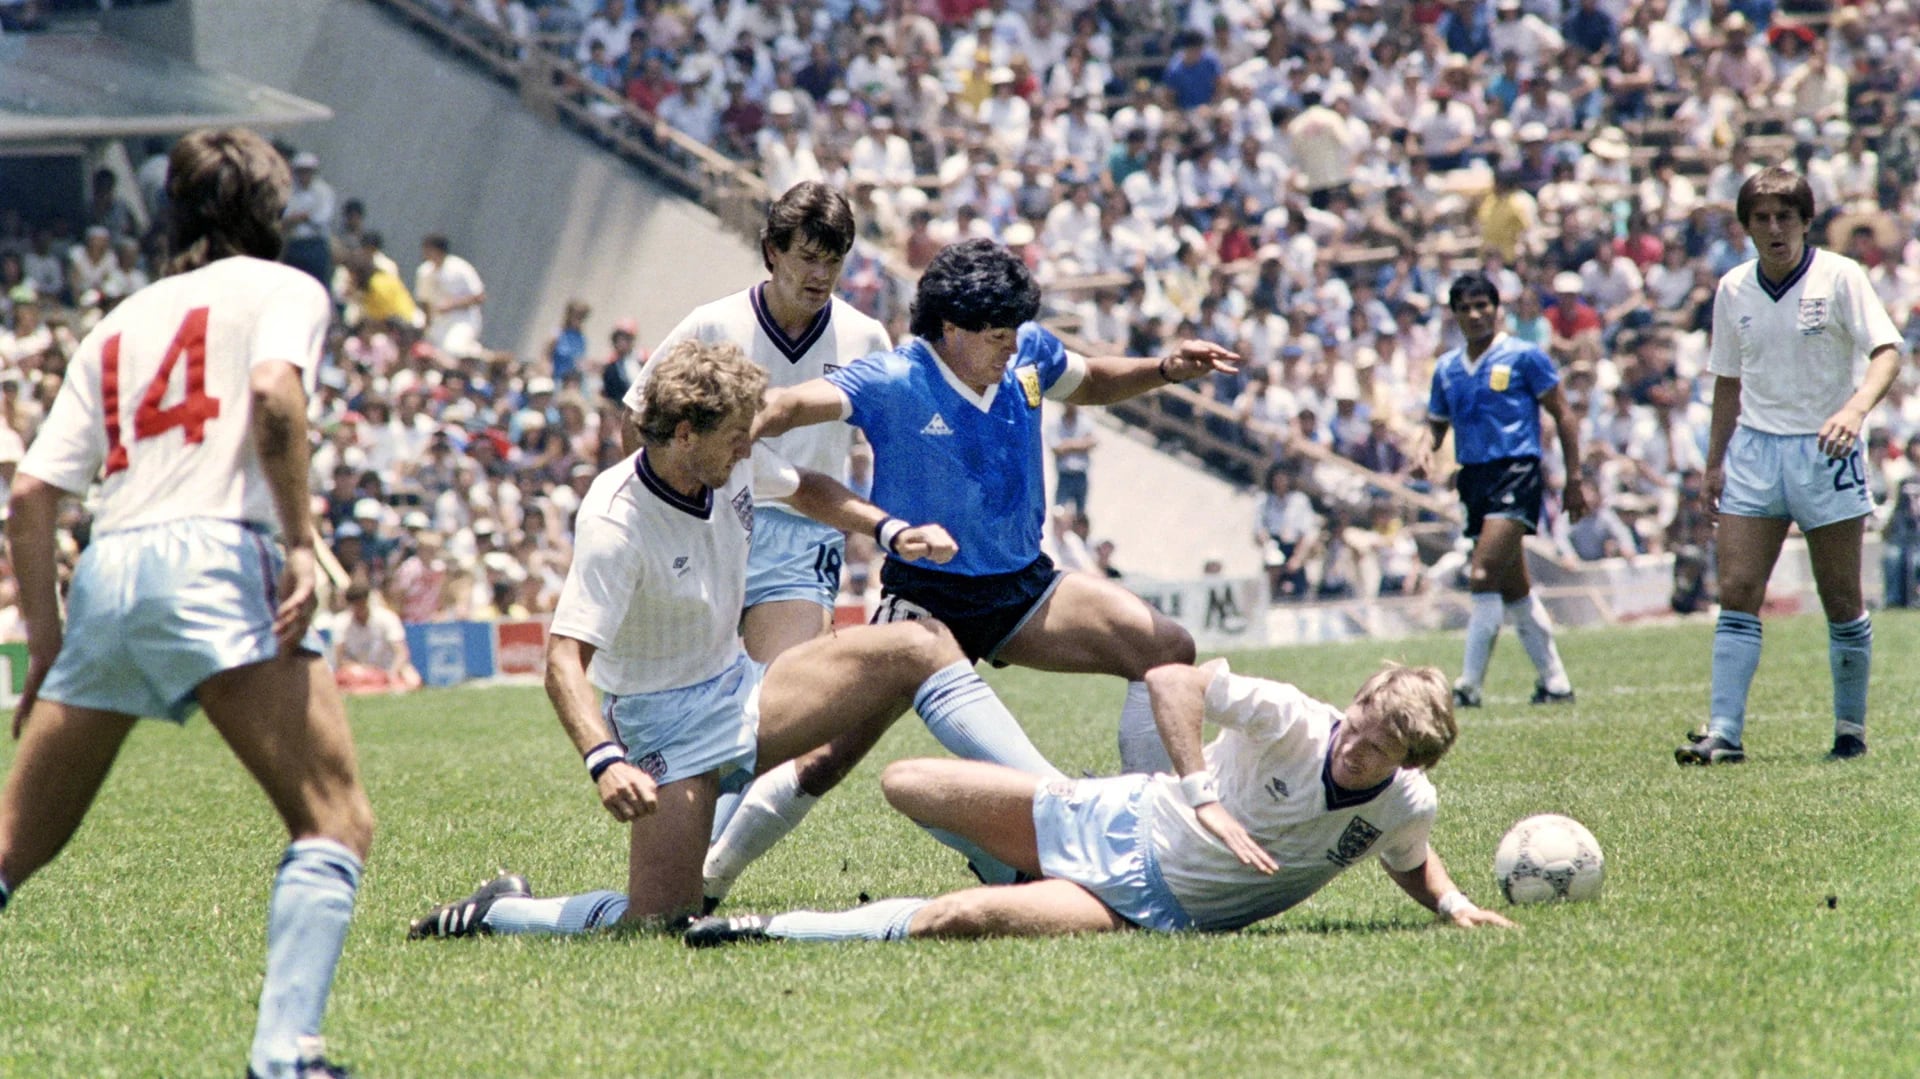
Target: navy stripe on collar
1339 797
701 507
1773 291
791 347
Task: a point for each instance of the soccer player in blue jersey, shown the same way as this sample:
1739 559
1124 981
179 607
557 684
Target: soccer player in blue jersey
1790 401
954 417
1490 392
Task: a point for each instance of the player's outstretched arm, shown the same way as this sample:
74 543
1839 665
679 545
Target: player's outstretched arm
1430 886
31 515
1116 378
626 791
828 501
817 401
279 420
1178 693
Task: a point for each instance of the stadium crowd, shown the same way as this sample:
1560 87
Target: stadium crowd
1296 181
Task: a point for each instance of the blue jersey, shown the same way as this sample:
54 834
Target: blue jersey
945 455
1493 403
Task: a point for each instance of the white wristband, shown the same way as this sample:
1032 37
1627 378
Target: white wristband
887 532
1199 789
1453 903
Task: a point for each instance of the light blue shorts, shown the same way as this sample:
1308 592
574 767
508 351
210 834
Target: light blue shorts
1788 476
681 733
155 611
793 557
1093 833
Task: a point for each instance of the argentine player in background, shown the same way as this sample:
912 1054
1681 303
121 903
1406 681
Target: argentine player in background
1490 392
954 417
649 617
1790 405
1323 788
795 329
187 404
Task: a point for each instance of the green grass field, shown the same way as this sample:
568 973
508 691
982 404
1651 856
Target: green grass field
1713 952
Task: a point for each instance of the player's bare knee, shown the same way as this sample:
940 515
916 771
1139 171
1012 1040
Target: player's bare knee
1172 642
905 783
958 914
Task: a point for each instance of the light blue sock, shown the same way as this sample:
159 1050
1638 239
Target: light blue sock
888 919
1736 655
963 713
307 920
562 915
1850 653
732 789
1141 748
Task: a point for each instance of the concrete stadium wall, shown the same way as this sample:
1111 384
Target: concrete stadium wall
433 146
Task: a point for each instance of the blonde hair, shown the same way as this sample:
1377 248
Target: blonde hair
704 384
1416 704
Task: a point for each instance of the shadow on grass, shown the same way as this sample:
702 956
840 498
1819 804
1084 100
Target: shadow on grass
1331 926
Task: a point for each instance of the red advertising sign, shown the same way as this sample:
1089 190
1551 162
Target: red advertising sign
521 647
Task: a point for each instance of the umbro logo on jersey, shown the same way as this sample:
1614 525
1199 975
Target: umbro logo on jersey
936 426
1277 787
680 565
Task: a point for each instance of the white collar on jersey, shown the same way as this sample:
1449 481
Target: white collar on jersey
1473 365
981 401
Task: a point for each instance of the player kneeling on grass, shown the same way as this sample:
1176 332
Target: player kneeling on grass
1292 793
650 615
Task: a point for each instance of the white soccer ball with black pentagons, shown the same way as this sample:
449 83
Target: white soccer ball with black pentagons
1548 857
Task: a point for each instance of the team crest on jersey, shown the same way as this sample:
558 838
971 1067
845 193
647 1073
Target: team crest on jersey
830 368
1813 315
653 764
1500 377
1353 842
743 509
1029 385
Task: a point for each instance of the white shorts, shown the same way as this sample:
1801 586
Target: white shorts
1093 833
680 733
155 611
1789 476
793 557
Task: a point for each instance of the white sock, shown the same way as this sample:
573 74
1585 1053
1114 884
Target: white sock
1535 627
1483 627
773 806
1141 748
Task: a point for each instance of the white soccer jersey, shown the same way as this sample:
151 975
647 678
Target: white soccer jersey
839 336
1798 348
658 579
1270 762
158 399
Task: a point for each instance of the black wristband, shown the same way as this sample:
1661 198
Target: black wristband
1169 379
602 757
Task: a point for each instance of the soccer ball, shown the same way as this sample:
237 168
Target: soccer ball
1548 857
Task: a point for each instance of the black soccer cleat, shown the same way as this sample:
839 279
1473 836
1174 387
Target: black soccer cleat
1846 747
739 929
1465 696
468 917
313 1063
1712 749
710 903
1543 695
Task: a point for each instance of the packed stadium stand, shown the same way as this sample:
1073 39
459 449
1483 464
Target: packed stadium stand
1297 181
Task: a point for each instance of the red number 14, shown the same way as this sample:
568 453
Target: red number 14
193 411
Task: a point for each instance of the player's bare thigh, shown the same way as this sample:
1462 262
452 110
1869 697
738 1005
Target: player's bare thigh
1499 559
1044 908
285 720
1089 625
863 675
771 628
990 804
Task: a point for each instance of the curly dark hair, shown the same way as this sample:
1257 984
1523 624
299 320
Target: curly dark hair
1471 284
976 285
